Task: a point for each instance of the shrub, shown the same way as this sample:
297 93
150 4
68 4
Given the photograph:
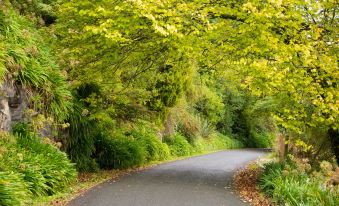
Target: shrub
217 142
13 189
206 129
270 172
164 152
262 139
118 152
154 148
167 89
30 163
302 191
80 142
288 185
189 126
54 171
210 106
21 128
178 145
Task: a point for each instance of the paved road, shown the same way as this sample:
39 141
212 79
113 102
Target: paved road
196 181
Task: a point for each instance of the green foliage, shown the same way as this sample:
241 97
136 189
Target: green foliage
29 63
190 126
234 64
155 149
118 152
216 142
291 185
261 129
178 145
80 142
13 189
262 139
167 89
287 57
36 168
271 171
125 58
21 128
55 171
41 8
210 106
233 120
188 123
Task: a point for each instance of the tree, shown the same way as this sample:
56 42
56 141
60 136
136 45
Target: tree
286 51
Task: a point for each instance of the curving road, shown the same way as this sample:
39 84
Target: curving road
198 181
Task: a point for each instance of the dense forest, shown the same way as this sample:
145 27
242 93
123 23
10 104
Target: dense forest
92 85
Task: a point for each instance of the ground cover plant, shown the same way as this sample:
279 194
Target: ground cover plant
32 168
296 183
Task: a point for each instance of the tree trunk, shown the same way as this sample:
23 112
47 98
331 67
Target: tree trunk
281 147
334 138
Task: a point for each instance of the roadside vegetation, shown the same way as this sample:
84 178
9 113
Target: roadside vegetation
30 168
292 182
88 86
295 182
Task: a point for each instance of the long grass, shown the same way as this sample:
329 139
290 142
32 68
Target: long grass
293 187
31 168
25 58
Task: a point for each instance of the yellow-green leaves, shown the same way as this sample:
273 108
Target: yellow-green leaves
282 49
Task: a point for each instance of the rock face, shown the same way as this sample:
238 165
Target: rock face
5 115
13 102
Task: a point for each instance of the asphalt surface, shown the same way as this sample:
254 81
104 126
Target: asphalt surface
198 181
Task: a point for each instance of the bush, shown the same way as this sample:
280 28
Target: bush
164 152
30 163
217 142
13 189
270 172
154 148
118 152
80 142
210 106
262 139
290 185
54 169
178 145
189 126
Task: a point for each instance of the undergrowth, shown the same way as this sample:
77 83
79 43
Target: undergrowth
296 183
30 167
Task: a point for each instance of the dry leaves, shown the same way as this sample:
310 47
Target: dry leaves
245 182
